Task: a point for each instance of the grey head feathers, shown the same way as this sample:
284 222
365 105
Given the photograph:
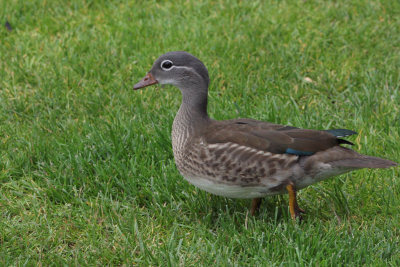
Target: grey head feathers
180 69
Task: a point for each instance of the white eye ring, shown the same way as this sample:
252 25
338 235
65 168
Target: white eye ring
166 64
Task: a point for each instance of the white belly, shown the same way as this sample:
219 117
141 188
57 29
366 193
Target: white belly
231 191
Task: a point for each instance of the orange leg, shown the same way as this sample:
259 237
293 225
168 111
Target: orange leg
255 205
294 209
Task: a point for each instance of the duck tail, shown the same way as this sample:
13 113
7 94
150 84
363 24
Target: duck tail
339 156
365 162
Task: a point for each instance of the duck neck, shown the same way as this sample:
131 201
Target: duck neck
193 109
192 116
194 104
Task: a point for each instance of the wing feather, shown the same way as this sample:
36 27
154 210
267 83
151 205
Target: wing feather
270 137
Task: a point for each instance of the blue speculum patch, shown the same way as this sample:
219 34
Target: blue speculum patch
298 153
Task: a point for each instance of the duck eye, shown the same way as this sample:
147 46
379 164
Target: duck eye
166 64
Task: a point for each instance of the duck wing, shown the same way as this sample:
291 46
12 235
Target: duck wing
274 138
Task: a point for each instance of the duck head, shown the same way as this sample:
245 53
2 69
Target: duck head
177 68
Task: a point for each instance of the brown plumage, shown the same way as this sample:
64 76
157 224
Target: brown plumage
246 158
268 137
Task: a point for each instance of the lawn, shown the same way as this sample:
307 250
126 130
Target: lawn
87 175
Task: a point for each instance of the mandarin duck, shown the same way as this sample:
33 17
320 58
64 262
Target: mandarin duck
247 158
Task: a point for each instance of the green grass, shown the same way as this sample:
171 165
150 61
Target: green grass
87 175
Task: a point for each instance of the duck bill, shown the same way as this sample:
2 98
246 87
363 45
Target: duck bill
146 81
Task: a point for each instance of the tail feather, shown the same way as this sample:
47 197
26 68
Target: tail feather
341 132
339 156
365 162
